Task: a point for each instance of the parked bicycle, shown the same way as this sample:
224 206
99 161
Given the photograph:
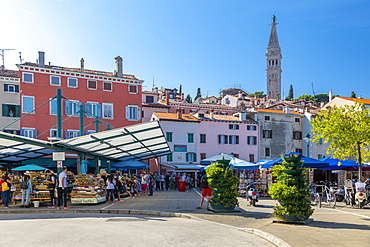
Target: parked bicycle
328 197
349 192
315 196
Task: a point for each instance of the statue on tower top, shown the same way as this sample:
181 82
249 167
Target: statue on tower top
273 19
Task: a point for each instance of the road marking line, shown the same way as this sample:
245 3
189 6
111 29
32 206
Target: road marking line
116 203
364 216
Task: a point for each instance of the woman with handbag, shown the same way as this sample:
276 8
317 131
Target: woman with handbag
6 185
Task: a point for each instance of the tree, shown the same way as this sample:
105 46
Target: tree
347 129
188 99
321 98
290 94
180 91
306 97
353 94
258 94
199 94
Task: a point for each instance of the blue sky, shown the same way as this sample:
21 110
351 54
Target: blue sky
213 45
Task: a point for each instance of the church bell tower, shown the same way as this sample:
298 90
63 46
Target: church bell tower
273 64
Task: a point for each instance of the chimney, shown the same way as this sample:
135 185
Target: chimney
243 116
322 104
41 59
167 98
211 113
179 113
82 61
119 66
240 94
182 97
155 90
287 109
330 95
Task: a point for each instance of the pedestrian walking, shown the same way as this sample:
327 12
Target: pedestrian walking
62 189
151 184
5 186
167 180
206 192
26 186
144 183
162 181
157 178
51 180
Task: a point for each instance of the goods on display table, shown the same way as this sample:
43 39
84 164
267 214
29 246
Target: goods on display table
40 190
260 177
88 190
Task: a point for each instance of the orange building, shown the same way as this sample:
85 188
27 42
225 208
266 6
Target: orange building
115 98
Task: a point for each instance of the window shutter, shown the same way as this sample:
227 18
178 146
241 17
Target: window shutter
35 133
237 126
5 110
127 112
230 126
219 139
53 106
138 113
88 112
187 157
5 87
98 109
254 140
194 157
248 140
68 107
79 104
17 88
237 139
230 139
17 110
67 134
22 132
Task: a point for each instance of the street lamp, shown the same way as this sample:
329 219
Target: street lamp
307 139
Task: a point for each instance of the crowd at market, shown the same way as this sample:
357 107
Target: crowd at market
113 186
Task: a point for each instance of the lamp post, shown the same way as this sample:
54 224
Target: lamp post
307 139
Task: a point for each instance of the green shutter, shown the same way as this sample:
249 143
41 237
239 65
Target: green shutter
5 110
17 111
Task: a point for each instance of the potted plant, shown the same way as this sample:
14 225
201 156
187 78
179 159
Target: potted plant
223 183
291 190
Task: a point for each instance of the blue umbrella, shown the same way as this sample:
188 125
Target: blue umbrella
336 164
29 167
307 162
130 164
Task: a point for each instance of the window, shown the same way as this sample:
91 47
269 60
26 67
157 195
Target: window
297 120
53 107
234 126
267 118
203 156
252 127
132 89
234 140
203 138
169 136
11 88
169 158
201 115
297 135
9 110
72 82
190 138
267 152
191 157
149 99
236 156
53 133
251 158
320 156
72 134
72 107
222 139
28 104
29 132
108 110
252 140
55 80
133 112
92 109
107 86
298 150
92 85
27 77
267 134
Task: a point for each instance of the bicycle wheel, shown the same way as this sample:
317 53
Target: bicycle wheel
332 200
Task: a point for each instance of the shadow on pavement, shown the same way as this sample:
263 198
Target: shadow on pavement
336 225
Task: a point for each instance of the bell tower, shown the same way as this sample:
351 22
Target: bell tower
273 64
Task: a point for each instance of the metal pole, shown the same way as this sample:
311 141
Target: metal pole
59 113
81 120
96 124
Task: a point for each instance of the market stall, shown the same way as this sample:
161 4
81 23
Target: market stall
88 190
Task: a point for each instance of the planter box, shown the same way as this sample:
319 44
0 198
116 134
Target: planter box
291 218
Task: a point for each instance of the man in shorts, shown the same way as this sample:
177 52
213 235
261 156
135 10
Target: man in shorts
206 192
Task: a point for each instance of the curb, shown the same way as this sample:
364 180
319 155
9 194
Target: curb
265 235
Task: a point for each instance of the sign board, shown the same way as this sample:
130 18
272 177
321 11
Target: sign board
59 156
180 148
59 164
